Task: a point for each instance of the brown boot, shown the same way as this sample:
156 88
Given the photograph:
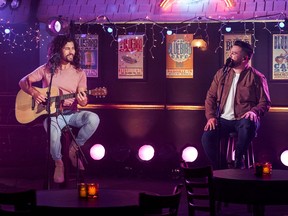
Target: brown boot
73 157
59 171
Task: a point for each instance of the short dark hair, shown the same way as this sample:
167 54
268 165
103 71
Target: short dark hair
246 47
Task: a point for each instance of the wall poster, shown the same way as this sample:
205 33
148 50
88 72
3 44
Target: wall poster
130 57
179 56
280 57
229 40
88 45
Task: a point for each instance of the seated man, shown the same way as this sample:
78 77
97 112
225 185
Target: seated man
236 99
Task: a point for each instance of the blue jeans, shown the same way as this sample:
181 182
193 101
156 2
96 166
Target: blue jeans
86 121
246 130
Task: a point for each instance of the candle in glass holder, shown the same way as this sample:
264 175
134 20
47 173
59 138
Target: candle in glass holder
92 190
82 190
267 168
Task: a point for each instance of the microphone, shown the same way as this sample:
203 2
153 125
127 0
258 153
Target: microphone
54 61
55 58
228 62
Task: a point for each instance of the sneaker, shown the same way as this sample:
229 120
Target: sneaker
59 172
73 157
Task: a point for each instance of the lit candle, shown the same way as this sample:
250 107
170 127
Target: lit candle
267 168
82 190
92 190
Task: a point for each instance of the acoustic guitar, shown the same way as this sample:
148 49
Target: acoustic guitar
27 110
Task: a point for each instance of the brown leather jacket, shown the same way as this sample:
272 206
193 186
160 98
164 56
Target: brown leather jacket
252 93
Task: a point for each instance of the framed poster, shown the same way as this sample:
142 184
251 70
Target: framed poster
179 56
88 46
280 57
229 40
130 57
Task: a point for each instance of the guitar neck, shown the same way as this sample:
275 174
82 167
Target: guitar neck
66 96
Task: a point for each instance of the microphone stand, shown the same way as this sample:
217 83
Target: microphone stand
218 111
48 109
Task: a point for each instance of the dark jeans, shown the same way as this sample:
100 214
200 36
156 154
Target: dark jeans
211 140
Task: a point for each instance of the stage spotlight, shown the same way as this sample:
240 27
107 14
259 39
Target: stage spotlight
146 152
189 154
97 152
7 31
15 4
284 157
58 26
3 3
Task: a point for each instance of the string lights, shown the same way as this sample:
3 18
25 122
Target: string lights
31 37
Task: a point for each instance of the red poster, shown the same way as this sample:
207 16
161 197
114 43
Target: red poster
130 57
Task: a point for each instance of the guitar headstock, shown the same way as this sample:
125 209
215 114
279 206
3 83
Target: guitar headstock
100 92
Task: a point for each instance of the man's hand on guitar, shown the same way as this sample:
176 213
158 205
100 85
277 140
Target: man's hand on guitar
82 98
38 97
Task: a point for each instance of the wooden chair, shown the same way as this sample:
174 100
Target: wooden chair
160 205
17 203
199 189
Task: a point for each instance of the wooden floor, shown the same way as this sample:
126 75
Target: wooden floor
147 183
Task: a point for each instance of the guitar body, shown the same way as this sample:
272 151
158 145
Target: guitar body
26 110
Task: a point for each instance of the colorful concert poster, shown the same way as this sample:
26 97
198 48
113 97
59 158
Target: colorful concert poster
179 56
130 57
280 57
229 40
88 45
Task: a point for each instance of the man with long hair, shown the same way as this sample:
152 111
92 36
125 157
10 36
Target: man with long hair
63 71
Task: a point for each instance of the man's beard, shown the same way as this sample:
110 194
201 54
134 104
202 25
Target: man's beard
235 64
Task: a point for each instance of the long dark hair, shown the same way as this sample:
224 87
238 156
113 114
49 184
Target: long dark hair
54 51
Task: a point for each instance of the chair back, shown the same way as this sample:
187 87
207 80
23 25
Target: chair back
199 189
160 205
17 202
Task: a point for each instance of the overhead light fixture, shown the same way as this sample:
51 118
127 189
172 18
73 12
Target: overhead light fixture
3 3
169 32
15 4
58 26
166 3
229 3
228 29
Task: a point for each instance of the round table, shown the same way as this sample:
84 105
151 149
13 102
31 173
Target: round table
244 187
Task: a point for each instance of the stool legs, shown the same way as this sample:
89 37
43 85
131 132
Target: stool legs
230 156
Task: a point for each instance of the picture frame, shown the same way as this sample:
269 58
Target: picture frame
279 58
179 56
88 47
131 57
229 40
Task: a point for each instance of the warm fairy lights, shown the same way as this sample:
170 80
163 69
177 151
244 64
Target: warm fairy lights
13 37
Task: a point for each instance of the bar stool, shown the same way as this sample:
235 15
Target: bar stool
248 157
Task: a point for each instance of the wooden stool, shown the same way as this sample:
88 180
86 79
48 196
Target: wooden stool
230 157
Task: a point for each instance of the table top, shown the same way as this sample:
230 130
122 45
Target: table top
248 175
69 198
243 186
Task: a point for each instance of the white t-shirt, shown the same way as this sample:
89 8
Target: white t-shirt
228 112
